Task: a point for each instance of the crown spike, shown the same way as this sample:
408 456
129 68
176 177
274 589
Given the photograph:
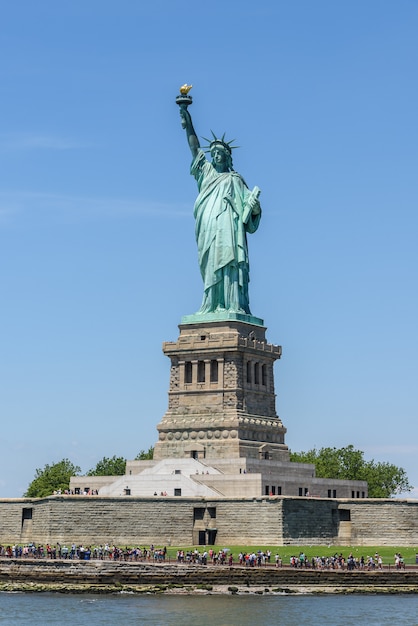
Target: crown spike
219 141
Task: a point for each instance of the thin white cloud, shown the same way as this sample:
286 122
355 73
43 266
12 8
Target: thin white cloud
392 449
79 207
33 141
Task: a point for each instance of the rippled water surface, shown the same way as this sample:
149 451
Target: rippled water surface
125 609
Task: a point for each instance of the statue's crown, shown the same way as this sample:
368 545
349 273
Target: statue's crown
219 141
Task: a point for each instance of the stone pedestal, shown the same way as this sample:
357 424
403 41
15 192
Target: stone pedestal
221 395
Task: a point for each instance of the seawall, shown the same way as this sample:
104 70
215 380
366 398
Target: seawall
113 576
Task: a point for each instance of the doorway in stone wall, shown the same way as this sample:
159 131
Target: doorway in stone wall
202 537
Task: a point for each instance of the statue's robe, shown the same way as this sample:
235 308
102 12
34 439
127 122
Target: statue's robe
222 222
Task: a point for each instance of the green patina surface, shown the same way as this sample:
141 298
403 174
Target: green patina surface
221 316
225 211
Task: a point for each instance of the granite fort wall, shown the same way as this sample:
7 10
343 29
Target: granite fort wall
309 521
181 521
133 521
350 522
388 522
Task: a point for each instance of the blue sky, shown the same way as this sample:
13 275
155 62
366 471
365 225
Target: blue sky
97 252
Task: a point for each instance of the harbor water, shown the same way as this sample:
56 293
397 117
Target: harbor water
211 610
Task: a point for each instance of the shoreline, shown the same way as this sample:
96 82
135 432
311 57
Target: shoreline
106 577
295 590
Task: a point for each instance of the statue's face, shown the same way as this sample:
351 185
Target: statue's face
219 158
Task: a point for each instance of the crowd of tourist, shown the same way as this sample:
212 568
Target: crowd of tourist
338 561
200 557
83 553
75 492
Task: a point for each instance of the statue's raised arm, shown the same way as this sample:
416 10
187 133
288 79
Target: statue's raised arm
184 100
187 124
225 211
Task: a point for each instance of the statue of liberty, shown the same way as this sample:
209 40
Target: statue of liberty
225 211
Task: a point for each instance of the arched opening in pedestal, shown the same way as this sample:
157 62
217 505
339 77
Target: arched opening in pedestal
264 452
195 451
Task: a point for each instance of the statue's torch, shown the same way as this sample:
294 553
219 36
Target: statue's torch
183 99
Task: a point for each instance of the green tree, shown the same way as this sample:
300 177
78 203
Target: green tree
145 455
51 478
384 479
109 467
